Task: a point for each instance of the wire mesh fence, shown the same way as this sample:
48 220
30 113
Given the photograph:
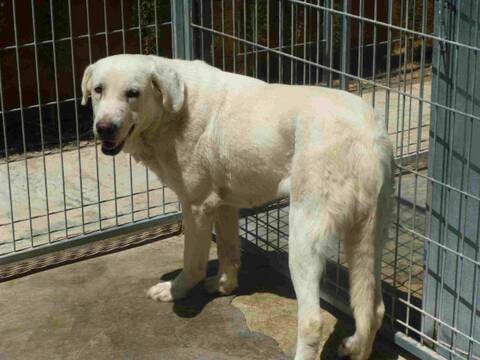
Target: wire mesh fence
415 61
55 184
406 58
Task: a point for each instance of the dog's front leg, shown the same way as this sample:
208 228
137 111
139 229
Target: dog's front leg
198 235
228 248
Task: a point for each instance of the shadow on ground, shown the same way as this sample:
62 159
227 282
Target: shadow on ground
256 276
267 292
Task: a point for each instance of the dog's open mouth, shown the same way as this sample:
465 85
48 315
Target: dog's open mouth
112 147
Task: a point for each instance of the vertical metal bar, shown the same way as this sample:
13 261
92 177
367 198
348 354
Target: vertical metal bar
202 35
374 60
476 281
317 43
346 37
234 19
327 16
212 35
124 49
139 22
115 195
292 41
405 63
305 23
245 68
419 134
223 33
361 45
255 35
467 147
157 28
256 229
22 120
77 127
461 241
181 33
388 70
412 59
59 125
40 118
449 162
7 164
387 117
278 224
330 25
433 150
414 204
280 40
157 51
399 131
268 40
97 171
267 213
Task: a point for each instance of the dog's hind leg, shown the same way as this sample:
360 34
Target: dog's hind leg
309 237
363 249
228 247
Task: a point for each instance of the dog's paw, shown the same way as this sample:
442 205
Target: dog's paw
351 348
220 284
161 292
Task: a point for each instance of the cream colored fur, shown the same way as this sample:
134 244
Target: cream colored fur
223 141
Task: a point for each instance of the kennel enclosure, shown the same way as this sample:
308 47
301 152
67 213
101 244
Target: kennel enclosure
415 61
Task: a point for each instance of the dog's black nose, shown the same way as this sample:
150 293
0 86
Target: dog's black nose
106 130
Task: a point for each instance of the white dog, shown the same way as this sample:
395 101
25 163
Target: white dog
223 141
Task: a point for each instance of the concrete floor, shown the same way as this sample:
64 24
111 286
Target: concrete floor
97 309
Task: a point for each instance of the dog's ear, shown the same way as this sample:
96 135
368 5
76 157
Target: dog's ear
170 84
86 83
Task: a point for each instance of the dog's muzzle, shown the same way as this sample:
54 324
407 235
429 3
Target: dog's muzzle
110 147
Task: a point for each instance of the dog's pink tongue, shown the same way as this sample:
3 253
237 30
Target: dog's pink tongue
108 144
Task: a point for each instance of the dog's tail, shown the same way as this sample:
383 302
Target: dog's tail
365 244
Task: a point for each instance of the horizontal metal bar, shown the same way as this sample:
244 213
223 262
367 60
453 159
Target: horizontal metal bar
78 37
34 106
87 238
260 51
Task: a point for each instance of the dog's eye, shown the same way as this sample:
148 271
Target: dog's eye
98 89
133 93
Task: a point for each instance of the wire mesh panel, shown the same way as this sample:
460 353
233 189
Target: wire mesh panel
56 184
383 51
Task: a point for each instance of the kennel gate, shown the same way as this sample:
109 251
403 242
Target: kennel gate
412 70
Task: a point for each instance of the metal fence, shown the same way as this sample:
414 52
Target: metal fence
56 189
415 61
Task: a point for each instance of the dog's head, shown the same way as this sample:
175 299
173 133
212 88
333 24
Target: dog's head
129 92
